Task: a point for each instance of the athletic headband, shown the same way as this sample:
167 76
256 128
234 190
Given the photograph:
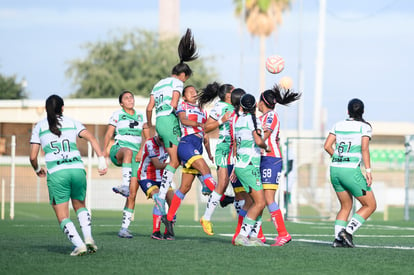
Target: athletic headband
264 99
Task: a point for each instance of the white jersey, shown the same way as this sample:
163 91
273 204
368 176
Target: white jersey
248 152
128 128
60 152
349 134
163 92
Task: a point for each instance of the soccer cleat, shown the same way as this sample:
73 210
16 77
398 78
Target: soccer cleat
205 191
257 242
122 189
168 236
207 226
156 235
241 240
169 226
79 251
159 203
91 246
226 201
339 243
124 233
282 240
346 237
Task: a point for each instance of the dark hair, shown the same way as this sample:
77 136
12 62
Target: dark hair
278 95
235 99
248 103
187 51
122 94
356 110
211 91
54 104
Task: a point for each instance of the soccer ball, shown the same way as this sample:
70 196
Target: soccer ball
275 64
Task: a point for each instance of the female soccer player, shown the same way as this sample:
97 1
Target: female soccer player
164 97
153 163
271 161
66 176
190 150
247 132
127 124
351 138
218 118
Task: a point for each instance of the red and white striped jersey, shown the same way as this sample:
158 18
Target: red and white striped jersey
152 149
270 122
194 113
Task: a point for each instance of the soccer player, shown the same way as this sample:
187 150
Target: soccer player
247 135
271 161
164 97
127 125
351 138
153 163
66 175
190 150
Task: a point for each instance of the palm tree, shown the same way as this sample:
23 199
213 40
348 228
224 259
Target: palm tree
261 17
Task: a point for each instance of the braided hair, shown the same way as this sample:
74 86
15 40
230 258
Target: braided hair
235 99
278 95
211 91
54 104
187 51
356 110
248 103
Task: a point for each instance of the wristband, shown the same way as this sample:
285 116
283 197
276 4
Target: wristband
102 163
220 121
38 169
368 170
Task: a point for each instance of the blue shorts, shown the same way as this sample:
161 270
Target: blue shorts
189 150
237 185
148 186
271 170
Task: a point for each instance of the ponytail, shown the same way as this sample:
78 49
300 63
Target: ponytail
211 91
187 51
356 110
278 95
54 104
248 103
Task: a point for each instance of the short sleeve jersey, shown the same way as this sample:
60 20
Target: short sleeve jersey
271 122
147 170
193 113
248 152
218 111
128 128
348 134
163 93
60 152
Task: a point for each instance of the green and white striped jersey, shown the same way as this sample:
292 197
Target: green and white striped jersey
60 152
349 134
248 152
128 129
163 92
218 111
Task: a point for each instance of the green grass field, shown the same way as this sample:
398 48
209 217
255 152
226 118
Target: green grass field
33 243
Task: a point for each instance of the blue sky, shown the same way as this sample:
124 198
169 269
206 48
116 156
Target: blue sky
368 48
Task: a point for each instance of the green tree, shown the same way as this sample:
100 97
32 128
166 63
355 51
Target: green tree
261 17
134 61
11 89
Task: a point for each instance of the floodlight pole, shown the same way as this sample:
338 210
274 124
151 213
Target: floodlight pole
317 111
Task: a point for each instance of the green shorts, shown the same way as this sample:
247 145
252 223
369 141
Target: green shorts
249 177
168 128
134 165
349 179
221 157
66 184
